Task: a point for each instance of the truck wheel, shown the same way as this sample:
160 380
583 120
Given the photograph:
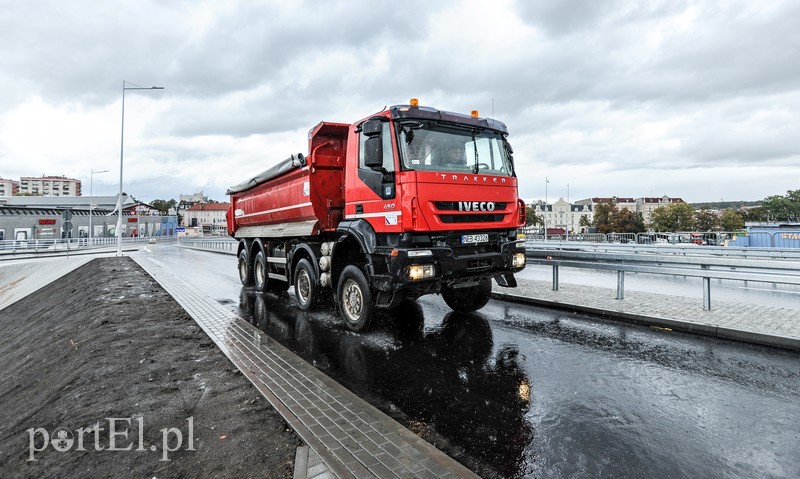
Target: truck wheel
260 278
468 299
355 299
245 268
306 288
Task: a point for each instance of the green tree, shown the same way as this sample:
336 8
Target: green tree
603 217
626 221
706 220
584 221
531 219
783 208
163 205
673 217
730 220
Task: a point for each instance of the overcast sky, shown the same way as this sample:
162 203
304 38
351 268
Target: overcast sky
699 100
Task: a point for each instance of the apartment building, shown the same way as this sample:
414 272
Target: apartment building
8 187
49 186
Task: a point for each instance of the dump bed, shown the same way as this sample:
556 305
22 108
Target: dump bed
300 196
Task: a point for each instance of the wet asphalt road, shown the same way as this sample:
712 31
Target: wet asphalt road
518 391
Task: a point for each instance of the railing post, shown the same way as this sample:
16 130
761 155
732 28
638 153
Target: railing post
620 284
706 294
555 277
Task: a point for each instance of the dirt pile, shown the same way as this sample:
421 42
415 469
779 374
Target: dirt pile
103 374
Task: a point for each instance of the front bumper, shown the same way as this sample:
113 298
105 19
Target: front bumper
451 268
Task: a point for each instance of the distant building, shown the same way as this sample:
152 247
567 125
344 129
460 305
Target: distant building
187 201
646 206
76 202
564 215
9 187
620 202
209 216
49 186
567 216
39 217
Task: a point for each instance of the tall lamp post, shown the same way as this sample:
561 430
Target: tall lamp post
91 201
121 146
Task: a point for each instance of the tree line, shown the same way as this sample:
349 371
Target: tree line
609 218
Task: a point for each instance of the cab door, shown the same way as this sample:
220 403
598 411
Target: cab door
374 193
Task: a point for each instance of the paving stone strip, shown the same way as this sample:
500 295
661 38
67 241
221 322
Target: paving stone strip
21 279
758 324
349 436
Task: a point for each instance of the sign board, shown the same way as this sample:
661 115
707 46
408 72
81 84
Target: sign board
67 225
180 230
67 215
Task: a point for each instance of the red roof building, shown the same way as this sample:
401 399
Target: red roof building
206 215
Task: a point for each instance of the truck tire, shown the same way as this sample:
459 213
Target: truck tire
355 299
260 278
306 288
245 268
468 299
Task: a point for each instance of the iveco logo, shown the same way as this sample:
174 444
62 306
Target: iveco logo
475 206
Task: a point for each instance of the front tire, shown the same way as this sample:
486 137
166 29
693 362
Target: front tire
355 299
468 299
245 268
306 288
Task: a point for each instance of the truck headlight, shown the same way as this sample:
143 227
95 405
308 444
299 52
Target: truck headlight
519 260
416 272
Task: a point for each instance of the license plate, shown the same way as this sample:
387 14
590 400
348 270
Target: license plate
467 239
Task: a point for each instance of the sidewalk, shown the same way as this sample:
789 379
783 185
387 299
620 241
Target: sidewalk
19 279
771 326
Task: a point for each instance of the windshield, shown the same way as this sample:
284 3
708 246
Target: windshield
434 147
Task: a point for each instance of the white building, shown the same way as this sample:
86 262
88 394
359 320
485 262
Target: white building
209 216
564 215
645 206
8 187
49 186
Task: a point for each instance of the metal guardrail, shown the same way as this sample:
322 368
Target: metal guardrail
776 239
74 245
781 266
222 244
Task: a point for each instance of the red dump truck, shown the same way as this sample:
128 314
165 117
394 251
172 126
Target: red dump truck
406 202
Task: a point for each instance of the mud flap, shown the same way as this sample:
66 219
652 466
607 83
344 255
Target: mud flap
506 280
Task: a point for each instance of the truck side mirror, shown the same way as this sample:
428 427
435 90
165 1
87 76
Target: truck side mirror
373 152
372 128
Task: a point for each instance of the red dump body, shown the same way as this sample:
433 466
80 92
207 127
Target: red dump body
300 196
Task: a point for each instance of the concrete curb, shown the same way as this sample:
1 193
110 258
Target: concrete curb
674 324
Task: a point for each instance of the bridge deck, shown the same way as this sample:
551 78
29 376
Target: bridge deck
773 326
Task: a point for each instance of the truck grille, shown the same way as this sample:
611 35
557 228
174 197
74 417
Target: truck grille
481 218
453 205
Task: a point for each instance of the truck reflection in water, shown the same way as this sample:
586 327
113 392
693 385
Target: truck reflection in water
446 384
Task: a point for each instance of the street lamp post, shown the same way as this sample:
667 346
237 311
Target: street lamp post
91 201
121 146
